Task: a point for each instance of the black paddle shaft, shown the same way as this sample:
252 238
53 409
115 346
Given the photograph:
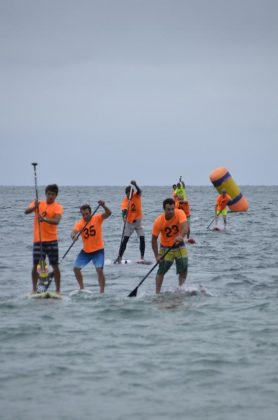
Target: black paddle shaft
214 217
37 207
128 205
35 176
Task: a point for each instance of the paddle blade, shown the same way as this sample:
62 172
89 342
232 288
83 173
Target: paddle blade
191 241
133 293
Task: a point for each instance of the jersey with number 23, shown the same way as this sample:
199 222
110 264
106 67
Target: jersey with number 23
169 229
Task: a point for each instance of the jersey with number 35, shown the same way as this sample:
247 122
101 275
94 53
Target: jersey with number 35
92 234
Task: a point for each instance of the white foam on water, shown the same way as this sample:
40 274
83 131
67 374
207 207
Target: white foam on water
81 292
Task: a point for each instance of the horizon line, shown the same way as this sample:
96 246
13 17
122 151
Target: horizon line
141 185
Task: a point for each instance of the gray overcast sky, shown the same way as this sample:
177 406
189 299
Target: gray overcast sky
101 92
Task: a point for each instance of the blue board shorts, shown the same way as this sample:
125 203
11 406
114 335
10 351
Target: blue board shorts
83 258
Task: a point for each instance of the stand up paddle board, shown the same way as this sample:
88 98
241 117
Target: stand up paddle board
110 262
144 262
45 295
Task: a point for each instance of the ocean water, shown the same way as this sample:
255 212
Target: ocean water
209 351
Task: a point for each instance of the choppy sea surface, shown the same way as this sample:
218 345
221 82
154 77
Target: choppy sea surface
209 351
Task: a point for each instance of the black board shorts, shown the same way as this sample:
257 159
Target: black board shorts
49 249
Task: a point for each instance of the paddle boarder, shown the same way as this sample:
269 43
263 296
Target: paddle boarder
47 216
183 205
172 227
132 217
221 206
174 187
90 227
180 189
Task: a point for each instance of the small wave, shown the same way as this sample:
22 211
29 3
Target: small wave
81 294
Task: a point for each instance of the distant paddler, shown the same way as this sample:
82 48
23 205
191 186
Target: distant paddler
174 187
221 206
183 205
132 217
179 189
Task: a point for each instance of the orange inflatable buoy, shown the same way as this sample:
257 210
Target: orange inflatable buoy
221 179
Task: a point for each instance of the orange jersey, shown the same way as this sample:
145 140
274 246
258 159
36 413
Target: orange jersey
168 229
135 207
49 232
183 205
221 202
92 234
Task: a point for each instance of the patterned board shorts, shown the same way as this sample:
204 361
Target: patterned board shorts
179 255
222 212
49 249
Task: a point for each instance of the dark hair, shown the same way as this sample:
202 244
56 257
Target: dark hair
127 190
168 201
53 188
86 207
174 186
